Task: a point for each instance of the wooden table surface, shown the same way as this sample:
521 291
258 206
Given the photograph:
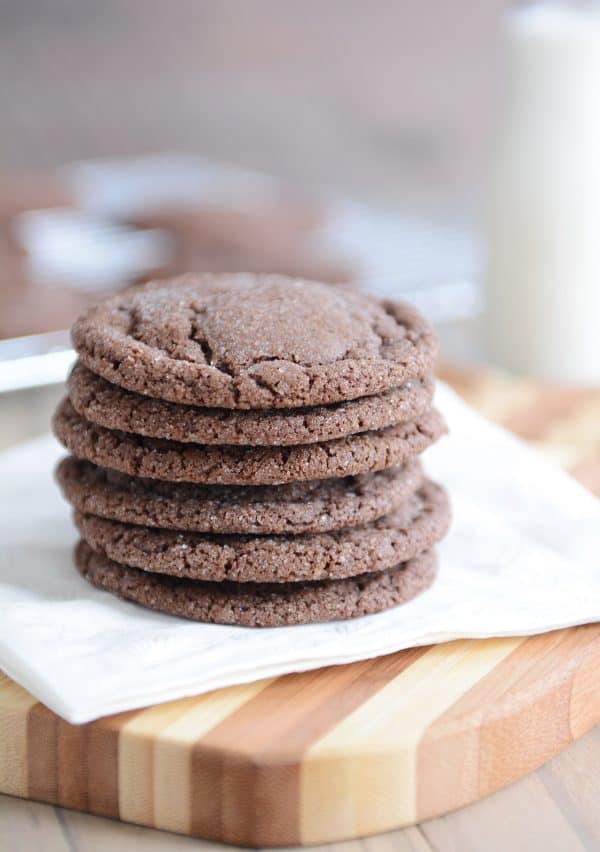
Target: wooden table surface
554 808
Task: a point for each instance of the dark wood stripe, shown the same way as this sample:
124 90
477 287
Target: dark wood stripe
254 756
507 724
103 763
42 762
72 765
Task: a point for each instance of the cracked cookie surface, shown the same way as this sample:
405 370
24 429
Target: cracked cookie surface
412 528
111 406
259 605
253 341
298 507
156 458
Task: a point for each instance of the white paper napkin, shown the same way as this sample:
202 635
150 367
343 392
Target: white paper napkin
523 556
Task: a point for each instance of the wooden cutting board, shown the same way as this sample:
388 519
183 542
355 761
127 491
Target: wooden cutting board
343 751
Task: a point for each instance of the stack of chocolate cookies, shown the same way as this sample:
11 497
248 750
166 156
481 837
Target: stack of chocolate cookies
244 450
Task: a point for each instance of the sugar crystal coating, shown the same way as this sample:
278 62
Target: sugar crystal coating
296 507
413 527
253 341
255 604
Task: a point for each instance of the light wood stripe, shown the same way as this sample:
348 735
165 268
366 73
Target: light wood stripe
383 734
15 704
564 455
581 428
137 738
255 761
547 409
42 773
570 441
505 725
500 398
176 781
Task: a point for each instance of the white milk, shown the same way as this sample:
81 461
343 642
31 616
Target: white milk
543 205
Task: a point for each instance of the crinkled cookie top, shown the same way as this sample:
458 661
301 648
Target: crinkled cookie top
253 341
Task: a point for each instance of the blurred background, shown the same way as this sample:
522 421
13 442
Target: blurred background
387 101
402 146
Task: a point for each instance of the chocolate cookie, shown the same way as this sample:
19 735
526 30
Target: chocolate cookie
253 341
255 604
412 528
156 458
298 507
111 406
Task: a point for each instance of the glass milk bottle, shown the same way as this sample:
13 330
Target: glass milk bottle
543 203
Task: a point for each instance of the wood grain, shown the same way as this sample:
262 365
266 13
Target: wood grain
348 750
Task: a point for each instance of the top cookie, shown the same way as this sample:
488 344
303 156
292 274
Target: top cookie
253 341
